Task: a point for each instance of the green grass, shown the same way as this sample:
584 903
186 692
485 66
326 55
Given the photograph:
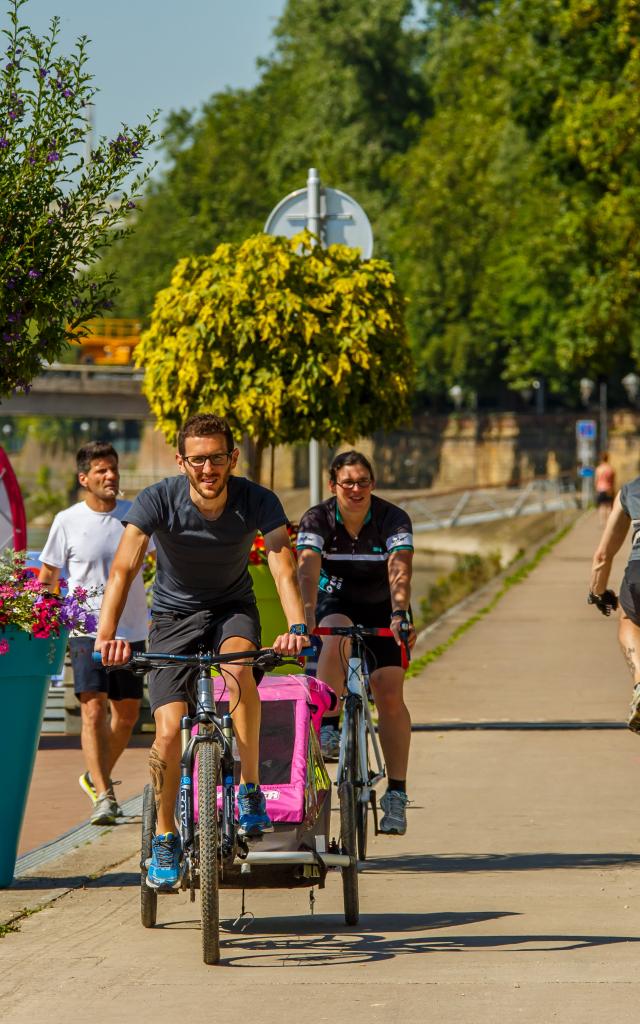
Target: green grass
510 581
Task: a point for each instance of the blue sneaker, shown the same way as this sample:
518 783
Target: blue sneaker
164 869
252 811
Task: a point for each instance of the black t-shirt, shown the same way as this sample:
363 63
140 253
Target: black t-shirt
355 570
203 564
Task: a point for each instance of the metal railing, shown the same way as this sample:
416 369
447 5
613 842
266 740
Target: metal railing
484 505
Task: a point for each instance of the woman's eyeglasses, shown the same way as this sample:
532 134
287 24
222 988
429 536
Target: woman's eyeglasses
350 485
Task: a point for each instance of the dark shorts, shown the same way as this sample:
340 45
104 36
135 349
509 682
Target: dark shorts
382 651
630 591
89 677
604 498
180 634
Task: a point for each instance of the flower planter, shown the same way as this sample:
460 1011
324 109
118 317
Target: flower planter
24 680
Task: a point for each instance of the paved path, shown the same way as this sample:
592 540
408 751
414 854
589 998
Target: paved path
512 896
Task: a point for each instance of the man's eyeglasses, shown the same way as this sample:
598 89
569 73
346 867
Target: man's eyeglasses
198 461
349 485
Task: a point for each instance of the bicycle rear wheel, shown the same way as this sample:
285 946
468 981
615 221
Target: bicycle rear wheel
208 774
148 897
348 844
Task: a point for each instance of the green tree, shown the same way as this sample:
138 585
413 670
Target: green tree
58 211
288 340
342 91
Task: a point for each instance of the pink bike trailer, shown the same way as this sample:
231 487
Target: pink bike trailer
292 774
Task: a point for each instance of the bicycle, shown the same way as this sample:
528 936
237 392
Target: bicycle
356 776
214 856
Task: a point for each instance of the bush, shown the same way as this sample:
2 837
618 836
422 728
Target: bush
470 573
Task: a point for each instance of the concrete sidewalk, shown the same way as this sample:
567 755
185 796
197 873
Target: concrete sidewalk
511 897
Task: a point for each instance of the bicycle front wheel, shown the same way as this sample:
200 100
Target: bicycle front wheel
148 897
208 777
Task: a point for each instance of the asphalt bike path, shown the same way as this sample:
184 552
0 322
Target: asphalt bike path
512 895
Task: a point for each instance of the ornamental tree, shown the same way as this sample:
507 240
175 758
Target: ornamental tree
59 207
288 340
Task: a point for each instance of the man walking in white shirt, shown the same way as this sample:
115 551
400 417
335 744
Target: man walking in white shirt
81 544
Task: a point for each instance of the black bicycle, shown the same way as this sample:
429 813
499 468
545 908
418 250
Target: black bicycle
210 844
360 762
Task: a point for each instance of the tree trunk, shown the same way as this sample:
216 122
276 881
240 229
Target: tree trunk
254 449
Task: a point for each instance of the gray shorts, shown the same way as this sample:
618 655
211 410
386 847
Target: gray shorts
629 595
91 677
179 634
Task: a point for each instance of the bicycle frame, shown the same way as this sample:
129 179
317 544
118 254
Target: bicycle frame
357 700
214 729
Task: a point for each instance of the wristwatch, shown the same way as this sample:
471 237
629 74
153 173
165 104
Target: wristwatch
299 629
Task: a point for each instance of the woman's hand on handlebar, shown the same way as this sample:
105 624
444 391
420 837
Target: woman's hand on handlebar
403 630
114 652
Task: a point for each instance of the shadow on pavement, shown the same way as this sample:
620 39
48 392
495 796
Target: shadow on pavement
110 880
318 943
498 861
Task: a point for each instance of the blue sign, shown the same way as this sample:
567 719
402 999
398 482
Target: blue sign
586 430
586 471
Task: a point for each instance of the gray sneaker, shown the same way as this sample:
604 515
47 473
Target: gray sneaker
330 742
634 710
105 810
394 821
86 785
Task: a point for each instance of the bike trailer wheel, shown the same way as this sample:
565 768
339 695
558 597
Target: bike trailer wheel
148 897
348 845
208 773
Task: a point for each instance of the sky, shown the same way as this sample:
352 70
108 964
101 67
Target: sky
166 54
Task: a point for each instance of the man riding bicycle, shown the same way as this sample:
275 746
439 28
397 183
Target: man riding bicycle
355 555
203 522
625 513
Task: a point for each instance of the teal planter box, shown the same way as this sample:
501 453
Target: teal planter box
272 617
24 681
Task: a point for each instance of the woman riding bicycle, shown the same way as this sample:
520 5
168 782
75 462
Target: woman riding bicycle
354 565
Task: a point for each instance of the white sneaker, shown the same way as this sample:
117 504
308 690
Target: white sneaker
634 710
394 821
330 742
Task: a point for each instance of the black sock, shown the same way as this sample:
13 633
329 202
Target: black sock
332 720
399 785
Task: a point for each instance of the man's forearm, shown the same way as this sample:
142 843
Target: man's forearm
113 602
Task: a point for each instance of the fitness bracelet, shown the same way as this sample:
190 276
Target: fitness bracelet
299 629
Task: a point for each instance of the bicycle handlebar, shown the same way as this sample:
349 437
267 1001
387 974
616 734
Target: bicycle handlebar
362 631
265 658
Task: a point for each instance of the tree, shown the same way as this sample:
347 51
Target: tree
288 340
342 91
58 209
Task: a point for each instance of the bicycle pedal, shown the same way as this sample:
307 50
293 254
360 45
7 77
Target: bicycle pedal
374 810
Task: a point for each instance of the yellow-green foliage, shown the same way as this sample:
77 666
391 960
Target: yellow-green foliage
288 340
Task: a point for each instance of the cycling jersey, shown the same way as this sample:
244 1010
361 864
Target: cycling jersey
355 569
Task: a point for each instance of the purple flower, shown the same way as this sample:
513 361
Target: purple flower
43 72
10 282
67 93
131 205
12 115
34 273
3 143
52 157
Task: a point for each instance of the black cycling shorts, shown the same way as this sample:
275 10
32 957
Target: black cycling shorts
186 634
382 651
630 591
90 677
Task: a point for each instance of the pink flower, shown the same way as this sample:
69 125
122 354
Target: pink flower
4 646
